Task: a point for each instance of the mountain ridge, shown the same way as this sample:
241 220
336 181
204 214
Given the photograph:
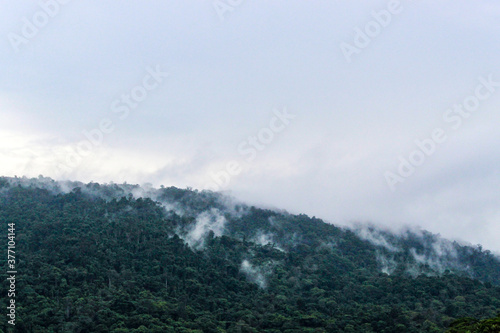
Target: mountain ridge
210 205
194 254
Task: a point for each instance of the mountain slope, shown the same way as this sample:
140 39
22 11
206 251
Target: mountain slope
124 258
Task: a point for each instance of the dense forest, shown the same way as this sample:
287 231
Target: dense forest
125 258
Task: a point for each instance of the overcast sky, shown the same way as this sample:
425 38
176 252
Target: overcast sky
310 106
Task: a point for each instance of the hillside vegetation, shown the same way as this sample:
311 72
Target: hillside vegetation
125 258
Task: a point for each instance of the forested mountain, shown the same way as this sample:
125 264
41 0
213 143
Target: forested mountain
125 258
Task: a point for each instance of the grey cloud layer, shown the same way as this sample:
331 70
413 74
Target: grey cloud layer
227 76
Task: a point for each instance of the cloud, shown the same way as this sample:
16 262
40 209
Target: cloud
353 121
254 274
265 238
206 222
387 264
375 236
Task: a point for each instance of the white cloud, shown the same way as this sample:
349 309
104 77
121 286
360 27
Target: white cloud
353 121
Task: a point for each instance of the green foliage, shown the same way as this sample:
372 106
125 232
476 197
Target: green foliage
96 259
471 325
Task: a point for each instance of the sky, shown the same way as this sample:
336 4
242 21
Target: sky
351 111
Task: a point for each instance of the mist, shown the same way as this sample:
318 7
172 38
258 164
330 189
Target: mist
291 107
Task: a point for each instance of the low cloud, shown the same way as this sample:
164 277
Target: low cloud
206 222
254 274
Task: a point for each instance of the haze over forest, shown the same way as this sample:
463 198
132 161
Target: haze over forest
124 258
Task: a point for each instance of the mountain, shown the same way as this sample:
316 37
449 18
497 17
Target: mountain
125 258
